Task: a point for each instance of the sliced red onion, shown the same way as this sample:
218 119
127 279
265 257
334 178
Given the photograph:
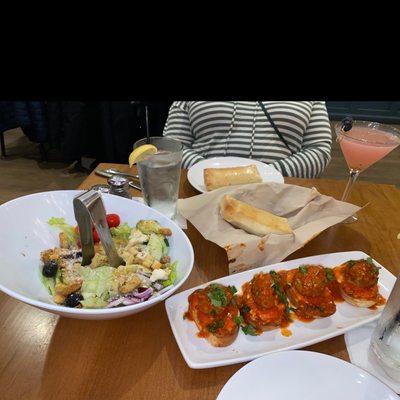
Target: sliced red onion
131 300
115 302
145 294
158 286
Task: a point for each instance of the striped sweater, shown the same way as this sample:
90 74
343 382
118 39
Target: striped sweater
240 128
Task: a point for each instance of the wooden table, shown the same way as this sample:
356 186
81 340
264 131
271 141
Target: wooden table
43 356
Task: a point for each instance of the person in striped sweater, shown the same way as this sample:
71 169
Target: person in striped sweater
293 136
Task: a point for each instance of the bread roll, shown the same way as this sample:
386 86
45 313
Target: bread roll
252 219
215 178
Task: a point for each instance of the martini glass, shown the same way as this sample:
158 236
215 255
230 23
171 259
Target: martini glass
364 143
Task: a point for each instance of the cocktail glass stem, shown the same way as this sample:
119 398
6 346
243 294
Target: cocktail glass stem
350 183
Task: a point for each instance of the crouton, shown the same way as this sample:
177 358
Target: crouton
165 231
165 259
98 260
64 243
156 265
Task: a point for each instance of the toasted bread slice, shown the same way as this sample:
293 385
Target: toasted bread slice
213 339
357 302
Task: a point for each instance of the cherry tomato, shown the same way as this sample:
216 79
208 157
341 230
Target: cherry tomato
96 238
113 220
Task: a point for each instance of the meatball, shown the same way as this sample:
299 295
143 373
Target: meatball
216 292
310 280
361 273
262 290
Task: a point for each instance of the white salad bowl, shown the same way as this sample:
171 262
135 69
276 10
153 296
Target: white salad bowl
24 233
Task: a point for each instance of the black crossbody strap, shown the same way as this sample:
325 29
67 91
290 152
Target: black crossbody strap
274 126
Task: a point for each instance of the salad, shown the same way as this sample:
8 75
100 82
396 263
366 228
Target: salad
148 270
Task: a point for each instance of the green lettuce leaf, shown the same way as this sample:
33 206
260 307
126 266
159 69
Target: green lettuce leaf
172 276
98 283
48 283
94 302
121 232
69 231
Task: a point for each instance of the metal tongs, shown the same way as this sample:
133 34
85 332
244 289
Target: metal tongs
88 208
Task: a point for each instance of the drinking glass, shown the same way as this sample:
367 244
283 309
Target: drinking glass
363 143
159 174
385 340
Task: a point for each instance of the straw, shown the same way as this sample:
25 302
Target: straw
147 125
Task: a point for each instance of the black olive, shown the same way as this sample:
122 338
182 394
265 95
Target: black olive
347 123
78 254
73 300
50 268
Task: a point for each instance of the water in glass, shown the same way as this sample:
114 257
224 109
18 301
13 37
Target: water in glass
159 178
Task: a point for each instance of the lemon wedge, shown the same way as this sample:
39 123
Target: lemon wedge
141 152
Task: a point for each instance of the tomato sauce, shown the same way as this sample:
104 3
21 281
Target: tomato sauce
304 319
334 288
263 299
209 318
380 302
265 308
188 316
286 332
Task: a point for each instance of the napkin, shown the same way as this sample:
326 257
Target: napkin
308 212
179 219
357 343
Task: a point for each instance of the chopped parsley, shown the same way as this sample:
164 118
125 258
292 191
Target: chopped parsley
371 262
166 241
232 289
215 326
278 290
239 320
245 309
303 269
249 330
217 296
329 274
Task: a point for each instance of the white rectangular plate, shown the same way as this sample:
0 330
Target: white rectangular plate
198 352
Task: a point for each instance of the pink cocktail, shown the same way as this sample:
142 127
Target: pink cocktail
363 144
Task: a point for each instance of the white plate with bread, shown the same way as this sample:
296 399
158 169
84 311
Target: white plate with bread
201 352
217 172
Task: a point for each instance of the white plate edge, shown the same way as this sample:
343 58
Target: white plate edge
317 355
